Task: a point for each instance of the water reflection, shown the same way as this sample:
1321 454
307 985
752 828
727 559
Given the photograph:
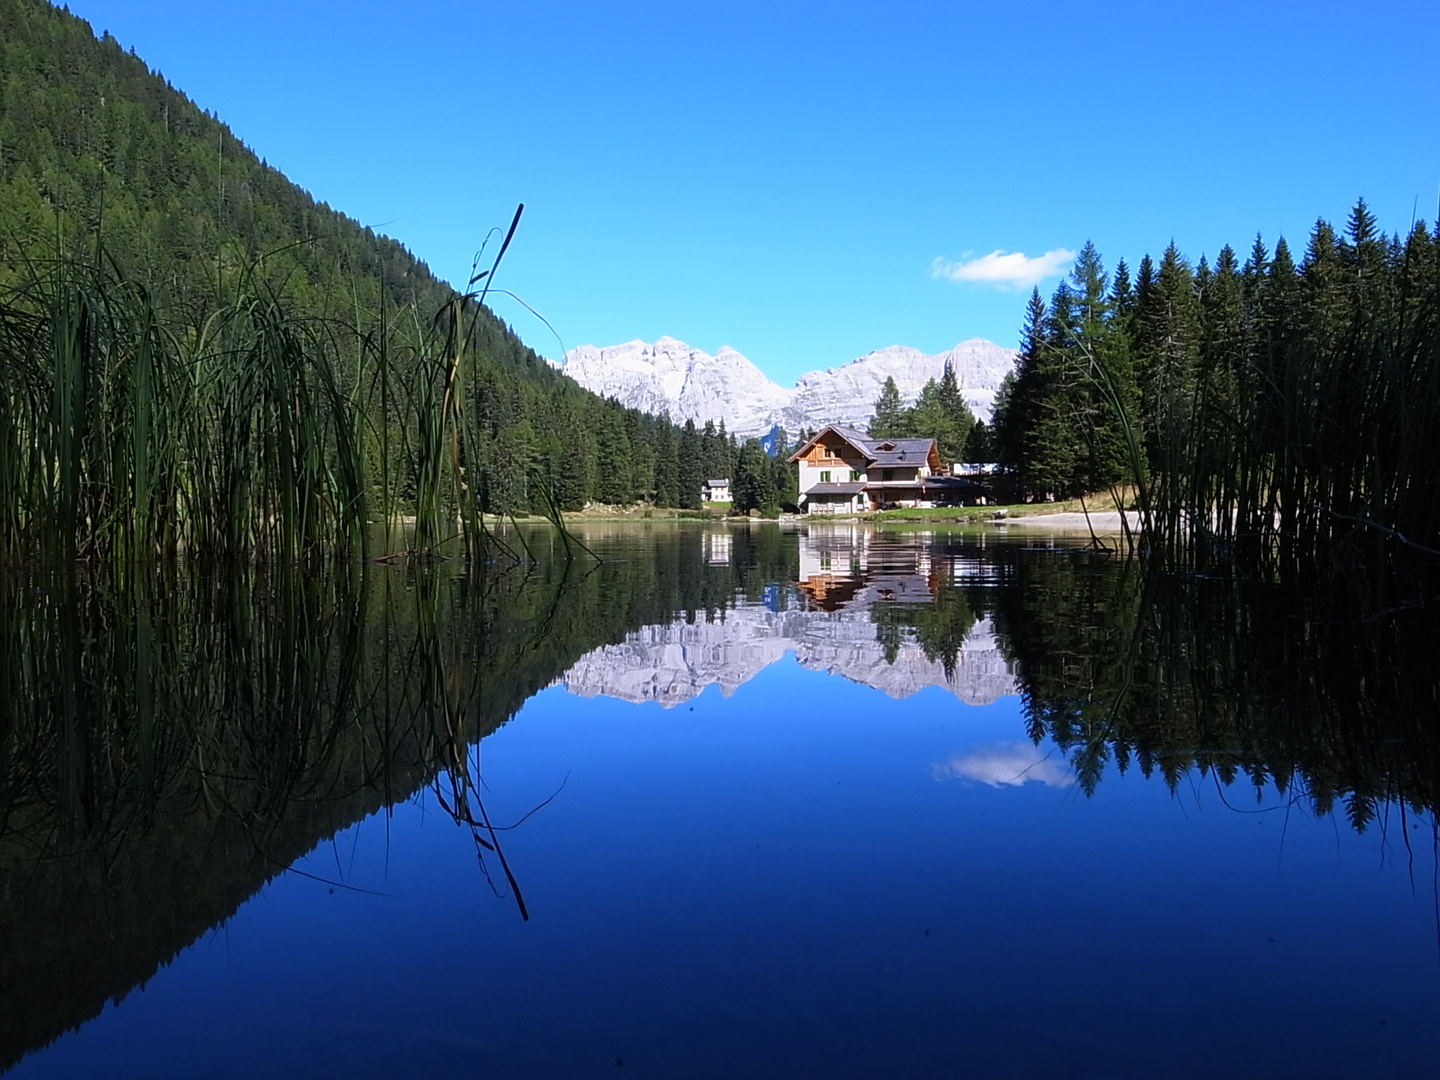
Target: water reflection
1007 764
172 743
1324 690
171 746
885 612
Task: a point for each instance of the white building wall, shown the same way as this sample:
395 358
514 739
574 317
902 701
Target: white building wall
839 474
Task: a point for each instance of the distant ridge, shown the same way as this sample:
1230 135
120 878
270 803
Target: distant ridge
690 384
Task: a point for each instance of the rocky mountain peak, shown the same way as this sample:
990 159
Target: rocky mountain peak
690 384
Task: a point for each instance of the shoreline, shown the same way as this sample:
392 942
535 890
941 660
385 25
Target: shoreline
1108 522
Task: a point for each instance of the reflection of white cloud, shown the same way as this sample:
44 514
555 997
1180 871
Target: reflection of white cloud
1010 763
1008 269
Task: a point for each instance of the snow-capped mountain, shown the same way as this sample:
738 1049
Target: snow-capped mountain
670 376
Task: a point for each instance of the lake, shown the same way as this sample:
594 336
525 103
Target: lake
719 800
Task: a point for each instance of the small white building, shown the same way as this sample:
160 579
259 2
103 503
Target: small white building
716 491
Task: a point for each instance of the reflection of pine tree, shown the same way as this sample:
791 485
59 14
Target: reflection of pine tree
889 629
942 626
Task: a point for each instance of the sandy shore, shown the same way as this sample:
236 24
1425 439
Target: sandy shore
1100 521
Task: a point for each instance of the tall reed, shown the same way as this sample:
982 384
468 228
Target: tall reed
247 432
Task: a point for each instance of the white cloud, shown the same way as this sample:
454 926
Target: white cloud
1010 764
1008 270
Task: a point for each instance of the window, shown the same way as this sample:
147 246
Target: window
825 476
888 474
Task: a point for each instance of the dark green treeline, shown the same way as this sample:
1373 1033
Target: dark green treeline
1291 405
136 229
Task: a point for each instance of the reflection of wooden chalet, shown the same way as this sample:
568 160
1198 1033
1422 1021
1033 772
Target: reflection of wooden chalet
830 592
843 471
839 570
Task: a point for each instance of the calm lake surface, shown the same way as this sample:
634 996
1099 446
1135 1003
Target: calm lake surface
736 800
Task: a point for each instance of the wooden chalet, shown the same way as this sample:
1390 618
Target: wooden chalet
845 471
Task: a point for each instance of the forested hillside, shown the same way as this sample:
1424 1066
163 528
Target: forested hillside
110 178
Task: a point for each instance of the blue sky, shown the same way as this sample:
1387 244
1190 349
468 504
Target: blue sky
807 182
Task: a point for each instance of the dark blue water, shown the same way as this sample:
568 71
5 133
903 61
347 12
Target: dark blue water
809 877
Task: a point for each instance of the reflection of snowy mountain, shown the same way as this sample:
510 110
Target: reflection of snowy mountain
672 664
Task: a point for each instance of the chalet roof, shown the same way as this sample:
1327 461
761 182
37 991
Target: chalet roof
853 488
897 452
901 452
850 434
717 483
951 483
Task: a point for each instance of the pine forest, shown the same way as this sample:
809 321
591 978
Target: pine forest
1286 407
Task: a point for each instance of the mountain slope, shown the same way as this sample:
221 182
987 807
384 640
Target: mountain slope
92 141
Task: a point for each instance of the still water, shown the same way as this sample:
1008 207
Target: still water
732 801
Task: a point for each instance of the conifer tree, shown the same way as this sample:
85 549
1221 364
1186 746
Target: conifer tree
1367 255
574 480
1099 345
754 484
667 464
979 446
1056 450
941 414
691 477
713 454
615 481
1326 292
1017 405
888 420
785 475
1226 391
1167 335
1122 298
